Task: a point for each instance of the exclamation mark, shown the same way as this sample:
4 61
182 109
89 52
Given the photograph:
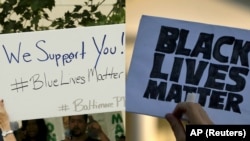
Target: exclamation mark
122 40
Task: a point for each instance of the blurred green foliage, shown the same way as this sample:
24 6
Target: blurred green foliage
29 14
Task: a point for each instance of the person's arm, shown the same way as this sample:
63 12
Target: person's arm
5 124
96 129
195 114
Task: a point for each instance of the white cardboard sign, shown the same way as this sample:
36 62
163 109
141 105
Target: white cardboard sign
63 72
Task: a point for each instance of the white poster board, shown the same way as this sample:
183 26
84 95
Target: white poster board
173 57
63 72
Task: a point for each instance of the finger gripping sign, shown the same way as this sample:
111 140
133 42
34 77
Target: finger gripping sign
172 58
63 72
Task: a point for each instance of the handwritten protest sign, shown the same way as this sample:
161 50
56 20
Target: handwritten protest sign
63 72
172 58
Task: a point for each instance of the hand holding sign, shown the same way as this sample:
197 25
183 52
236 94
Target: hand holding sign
4 119
5 123
93 127
195 113
95 130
